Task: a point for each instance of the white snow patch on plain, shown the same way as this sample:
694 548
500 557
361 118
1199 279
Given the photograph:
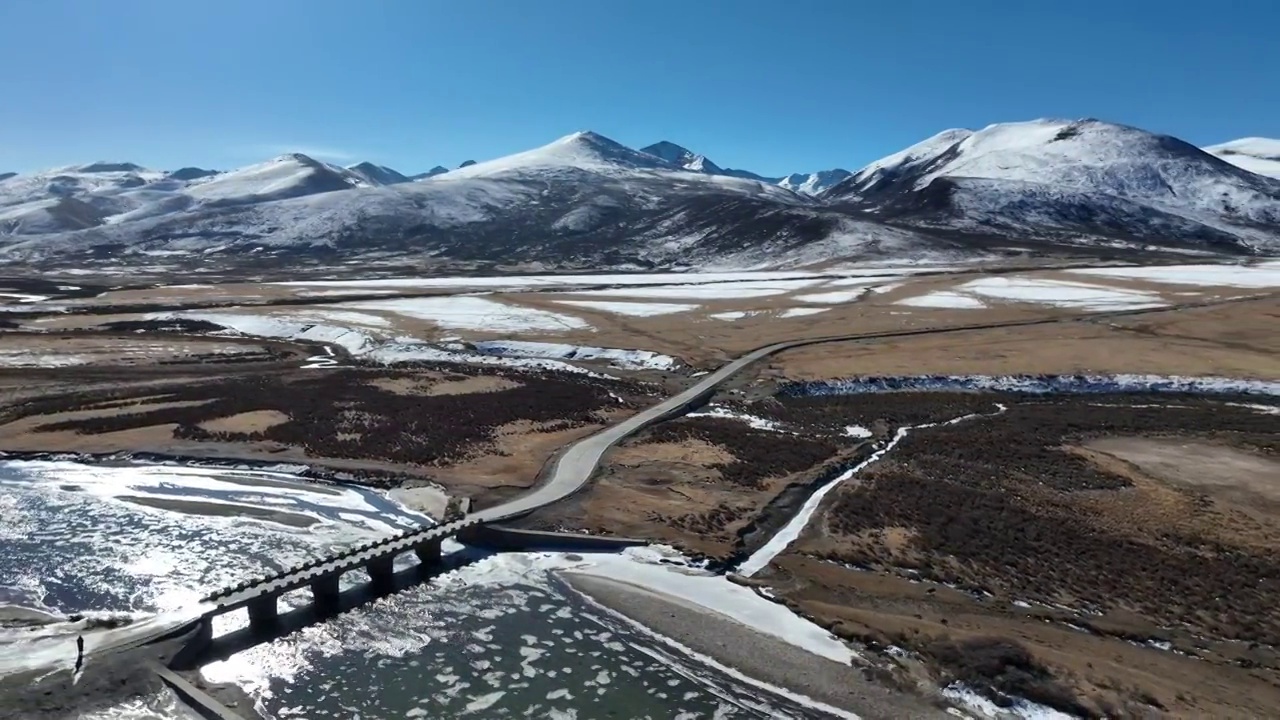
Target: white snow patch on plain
19 357
719 411
944 299
857 431
1262 275
631 359
1263 409
634 309
836 296
464 312
801 312
272 327
524 281
733 315
725 290
1061 293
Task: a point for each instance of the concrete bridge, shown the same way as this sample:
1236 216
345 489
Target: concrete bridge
260 596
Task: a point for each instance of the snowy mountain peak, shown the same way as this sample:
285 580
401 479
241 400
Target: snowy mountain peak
108 167
377 174
191 173
284 176
685 158
6 175
669 151
581 150
814 183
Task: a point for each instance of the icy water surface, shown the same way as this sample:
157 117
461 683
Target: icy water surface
499 638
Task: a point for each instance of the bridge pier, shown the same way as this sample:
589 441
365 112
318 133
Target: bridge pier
325 592
382 573
263 613
428 553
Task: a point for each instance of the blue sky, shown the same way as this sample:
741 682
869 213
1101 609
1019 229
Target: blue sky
769 86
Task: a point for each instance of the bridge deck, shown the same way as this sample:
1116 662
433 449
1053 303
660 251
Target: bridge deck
302 576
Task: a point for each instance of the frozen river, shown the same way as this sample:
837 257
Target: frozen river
501 637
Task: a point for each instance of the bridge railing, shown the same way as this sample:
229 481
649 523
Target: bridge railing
425 533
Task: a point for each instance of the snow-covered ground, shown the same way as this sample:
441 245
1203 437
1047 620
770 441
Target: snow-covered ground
1060 293
466 312
562 280
1262 275
1057 293
801 312
834 297
634 309
713 291
631 359
720 411
1038 384
944 299
374 345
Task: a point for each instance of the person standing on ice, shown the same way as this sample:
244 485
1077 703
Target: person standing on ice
79 652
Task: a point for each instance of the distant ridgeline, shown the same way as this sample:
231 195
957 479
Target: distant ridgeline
1039 384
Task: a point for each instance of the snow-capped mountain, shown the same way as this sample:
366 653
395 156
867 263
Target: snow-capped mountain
286 176
580 201
586 201
1255 154
6 175
814 183
376 174
804 183
1061 179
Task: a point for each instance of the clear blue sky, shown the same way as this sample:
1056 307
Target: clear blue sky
765 85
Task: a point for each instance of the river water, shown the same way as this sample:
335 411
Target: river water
501 637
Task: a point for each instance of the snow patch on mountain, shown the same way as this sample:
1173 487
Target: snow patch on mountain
375 175
814 183
1255 154
581 150
286 176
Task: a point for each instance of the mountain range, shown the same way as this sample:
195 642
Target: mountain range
585 201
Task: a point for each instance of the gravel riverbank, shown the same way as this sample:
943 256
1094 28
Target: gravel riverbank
752 653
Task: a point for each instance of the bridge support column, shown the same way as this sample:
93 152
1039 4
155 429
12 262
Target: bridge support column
428 553
262 613
325 591
188 657
382 572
